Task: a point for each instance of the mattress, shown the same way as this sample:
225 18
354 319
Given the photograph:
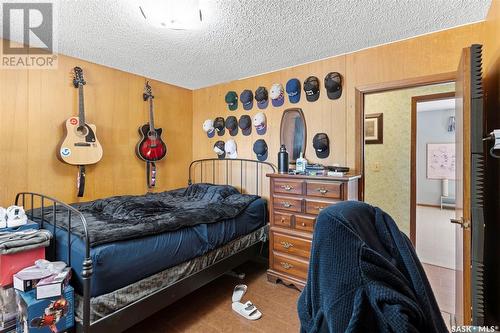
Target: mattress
116 265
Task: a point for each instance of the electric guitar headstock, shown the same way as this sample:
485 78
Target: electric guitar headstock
148 92
78 79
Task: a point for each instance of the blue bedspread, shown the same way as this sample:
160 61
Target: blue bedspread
121 263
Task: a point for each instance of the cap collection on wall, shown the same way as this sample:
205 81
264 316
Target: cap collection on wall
293 89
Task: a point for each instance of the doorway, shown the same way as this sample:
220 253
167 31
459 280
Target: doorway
390 173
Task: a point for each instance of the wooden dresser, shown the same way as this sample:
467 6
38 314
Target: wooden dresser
294 205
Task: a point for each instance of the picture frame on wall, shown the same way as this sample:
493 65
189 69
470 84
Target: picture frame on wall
374 128
441 161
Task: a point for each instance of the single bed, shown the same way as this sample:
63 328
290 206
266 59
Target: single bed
144 269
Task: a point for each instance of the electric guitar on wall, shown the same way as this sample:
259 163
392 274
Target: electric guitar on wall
151 147
80 145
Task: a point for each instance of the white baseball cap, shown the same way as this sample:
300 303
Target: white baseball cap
259 121
208 127
277 95
230 148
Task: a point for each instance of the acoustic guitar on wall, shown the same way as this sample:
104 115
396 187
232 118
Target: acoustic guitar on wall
80 145
151 147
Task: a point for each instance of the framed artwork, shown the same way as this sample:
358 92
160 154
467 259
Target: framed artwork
441 161
374 128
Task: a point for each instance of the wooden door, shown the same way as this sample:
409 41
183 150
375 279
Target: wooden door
463 170
469 301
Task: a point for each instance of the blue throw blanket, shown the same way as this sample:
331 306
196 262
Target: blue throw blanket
364 276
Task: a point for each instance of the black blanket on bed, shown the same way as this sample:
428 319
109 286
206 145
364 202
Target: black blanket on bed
127 217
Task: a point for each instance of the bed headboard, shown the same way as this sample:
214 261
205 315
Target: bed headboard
248 176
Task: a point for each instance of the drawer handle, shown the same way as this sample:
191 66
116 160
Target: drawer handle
322 190
287 187
303 224
319 208
286 245
286 265
283 220
286 204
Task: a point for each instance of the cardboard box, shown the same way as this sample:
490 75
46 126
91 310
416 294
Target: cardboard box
27 226
10 264
53 285
52 315
8 309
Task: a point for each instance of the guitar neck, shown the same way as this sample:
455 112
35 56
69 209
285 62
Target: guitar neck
151 115
81 110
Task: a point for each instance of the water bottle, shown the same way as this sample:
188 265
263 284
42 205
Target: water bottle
283 160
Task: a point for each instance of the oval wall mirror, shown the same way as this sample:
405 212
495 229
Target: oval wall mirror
293 133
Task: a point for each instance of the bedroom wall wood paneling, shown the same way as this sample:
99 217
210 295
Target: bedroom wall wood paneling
420 56
35 103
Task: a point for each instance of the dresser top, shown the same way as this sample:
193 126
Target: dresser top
345 178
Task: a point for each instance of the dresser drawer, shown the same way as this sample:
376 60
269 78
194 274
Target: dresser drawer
316 206
304 223
291 245
288 186
282 220
291 266
289 204
331 190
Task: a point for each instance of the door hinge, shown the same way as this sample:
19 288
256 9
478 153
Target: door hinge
462 222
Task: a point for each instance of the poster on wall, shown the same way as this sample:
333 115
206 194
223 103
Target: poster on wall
440 161
374 128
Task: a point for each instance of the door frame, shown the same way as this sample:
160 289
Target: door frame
360 92
413 156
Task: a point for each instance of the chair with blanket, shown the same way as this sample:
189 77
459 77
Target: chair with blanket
364 276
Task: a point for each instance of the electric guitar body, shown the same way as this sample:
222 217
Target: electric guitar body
80 145
151 147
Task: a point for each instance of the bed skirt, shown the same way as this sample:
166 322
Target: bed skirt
104 305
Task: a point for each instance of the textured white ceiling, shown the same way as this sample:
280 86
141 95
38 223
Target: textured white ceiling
241 38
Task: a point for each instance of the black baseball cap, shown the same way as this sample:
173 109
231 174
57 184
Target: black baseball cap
246 99
245 124
260 149
311 88
232 125
321 145
232 100
262 97
333 85
219 149
219 124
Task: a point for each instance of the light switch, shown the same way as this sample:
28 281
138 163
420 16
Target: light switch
376 166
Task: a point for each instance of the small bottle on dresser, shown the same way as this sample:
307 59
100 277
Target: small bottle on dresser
301 163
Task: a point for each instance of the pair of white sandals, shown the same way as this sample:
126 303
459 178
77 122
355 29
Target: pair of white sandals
246 310
12 217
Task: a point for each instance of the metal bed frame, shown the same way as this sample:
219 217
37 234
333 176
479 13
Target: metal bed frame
139 310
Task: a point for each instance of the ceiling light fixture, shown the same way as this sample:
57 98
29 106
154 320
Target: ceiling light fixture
172 14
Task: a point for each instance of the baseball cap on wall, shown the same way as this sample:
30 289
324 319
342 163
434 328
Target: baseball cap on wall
246 99
230 148
262 97
232 125
277 95
219 149
311 88
260 149
293 90
260 123
232 100
333 85
321 144
245 124
208 127
219 124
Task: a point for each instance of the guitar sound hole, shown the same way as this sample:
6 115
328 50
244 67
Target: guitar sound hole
82 131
